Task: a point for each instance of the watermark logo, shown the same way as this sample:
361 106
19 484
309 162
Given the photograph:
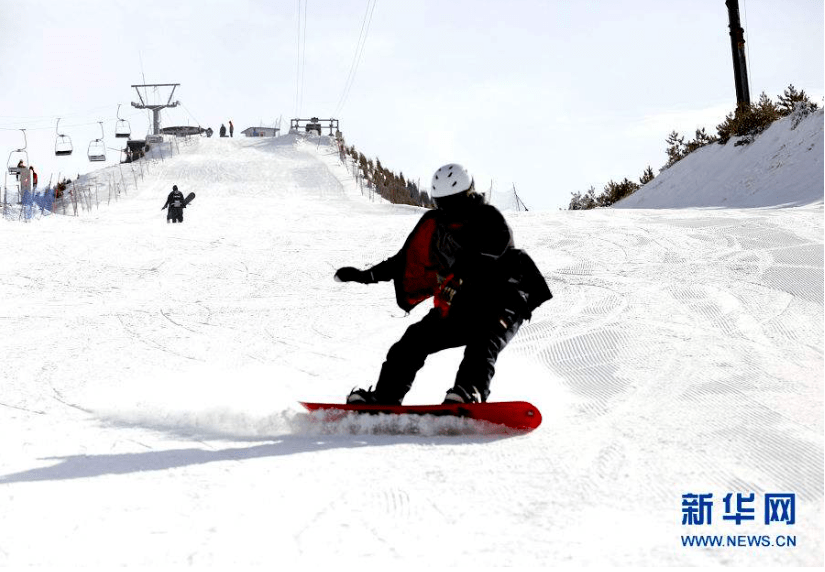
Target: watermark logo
697 509
743 509
780 508
739 508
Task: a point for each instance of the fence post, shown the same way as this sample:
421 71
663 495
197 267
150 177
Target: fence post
122 180
73 194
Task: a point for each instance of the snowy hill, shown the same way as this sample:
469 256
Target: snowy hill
782 167
151 373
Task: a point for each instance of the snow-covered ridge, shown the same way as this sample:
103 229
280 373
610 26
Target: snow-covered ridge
782 167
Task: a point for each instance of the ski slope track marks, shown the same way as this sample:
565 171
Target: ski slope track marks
152 372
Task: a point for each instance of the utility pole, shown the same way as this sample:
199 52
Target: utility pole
156 108
737 46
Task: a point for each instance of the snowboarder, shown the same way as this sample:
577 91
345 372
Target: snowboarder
223 130
461 254
176 203
231 129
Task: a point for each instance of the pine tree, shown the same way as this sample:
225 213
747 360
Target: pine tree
702 139
589 199
675 148
647 176
575 201
748 120
614 192
766 112
727 128
583 202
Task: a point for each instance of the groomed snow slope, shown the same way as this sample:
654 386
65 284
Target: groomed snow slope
151 372
783 166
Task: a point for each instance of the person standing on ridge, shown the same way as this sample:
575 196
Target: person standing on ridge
176 203
462 255
231 129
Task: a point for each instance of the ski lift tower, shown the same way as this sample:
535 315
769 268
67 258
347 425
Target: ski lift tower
156 107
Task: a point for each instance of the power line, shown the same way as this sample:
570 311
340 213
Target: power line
301 59
354 58
298 61
359 52
190 114
52 119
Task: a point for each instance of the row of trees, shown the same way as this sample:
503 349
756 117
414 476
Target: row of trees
751 120
746 122
392 187
612 193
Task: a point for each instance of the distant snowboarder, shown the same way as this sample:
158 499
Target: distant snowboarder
484 288
231 129
175 203
223 130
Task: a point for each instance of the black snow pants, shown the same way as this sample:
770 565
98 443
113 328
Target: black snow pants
174 214
484 340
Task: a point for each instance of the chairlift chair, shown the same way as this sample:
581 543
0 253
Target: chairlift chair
18 155
122 128
14 160
97 151
63 143
97 148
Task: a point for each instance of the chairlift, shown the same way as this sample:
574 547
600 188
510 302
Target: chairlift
313 125
63 143
17 156
97 148
122 128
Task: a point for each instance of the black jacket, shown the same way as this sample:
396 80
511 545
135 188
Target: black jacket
469 251
174 200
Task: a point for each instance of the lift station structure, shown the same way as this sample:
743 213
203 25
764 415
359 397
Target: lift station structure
314 124
156 108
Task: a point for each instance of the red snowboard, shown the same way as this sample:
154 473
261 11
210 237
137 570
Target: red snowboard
518 415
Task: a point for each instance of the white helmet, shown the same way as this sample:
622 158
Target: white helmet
449 180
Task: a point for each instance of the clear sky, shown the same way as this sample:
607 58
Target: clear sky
550 96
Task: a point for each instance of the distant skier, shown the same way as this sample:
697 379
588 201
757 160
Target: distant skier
231 129
223 130
484 288
176 203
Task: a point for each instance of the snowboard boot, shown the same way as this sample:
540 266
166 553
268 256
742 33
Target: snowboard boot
362 397
460 395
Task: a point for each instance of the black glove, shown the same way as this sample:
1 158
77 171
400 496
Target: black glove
350 274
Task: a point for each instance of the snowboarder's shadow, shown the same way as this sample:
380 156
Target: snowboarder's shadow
85 466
